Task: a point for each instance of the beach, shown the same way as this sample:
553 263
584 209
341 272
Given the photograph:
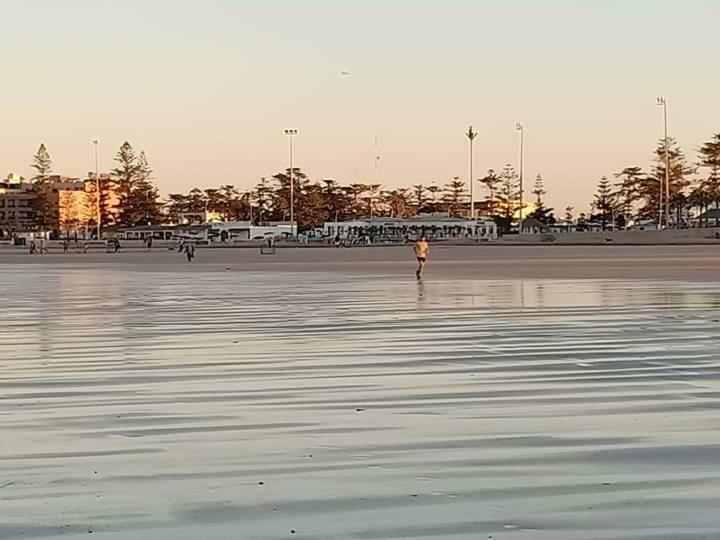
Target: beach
661 262
517 392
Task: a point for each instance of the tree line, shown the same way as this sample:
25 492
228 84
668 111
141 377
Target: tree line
128 196
638 194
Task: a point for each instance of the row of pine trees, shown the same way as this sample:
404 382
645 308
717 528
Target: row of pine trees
633 195
127 196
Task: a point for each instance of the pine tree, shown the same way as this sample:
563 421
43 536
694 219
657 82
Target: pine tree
89 207
230 205
507 197
355 192
280 196
604 202
312 211
421 200
139 199
108 203
336 200
679 171
628 189
70 214
263 193
455 195
569 218
398 201
707 192
374 192
124 176
541 212
491 181
45 204
144 202
433 190
710 157
41 163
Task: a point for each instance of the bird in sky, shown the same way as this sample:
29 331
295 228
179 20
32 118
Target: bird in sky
344 73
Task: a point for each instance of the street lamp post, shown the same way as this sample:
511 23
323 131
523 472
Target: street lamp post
471 134
291 133
519 127
97 187
662 102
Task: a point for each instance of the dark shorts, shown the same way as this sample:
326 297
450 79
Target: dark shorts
421 259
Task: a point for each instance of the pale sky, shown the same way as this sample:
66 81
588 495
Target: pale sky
206 87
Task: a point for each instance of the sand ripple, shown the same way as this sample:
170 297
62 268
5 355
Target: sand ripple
233 405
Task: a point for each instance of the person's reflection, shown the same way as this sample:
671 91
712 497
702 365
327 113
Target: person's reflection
420 292
540 292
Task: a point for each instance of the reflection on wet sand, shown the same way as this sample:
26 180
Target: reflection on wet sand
241 405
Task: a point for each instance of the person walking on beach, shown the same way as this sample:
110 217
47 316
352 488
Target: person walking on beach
190 252
421 252
66 245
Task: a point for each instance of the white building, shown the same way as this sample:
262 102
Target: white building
378 230
240 231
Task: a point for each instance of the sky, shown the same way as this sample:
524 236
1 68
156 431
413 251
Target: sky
207 87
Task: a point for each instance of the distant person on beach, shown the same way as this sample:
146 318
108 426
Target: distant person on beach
149 242
66 245
421 252
43 248
33 247
190 252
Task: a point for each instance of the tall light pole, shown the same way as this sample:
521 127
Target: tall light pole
471 134
519 127
96 143
291 134
377 174
662 102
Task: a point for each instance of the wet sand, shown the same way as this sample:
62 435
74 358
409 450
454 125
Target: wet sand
143 397
693 263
